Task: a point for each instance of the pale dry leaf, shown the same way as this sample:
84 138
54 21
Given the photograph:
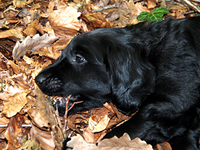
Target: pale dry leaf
98 126
14 131
177 9
64 21
21 3
124 142
31 29
88 135
49 52
65 17
38 67
77 143
14 67
43 137
39 113
3 121
3 23
151 4
14 84
12 32
16 103
32 44
30 145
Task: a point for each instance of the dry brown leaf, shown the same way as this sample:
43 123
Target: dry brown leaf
12 32
43 137
97 20
12 67
100 125
78 143
60 44
163 146
3 23
3 121
32 44
31 30
30 145
16 103
178 9
14 132
14 85
35 65
39 113
94 124
49 52
64 21
151 4
21 3
122 143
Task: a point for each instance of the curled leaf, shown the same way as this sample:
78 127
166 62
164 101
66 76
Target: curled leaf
32 44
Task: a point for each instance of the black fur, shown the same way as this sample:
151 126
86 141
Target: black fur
152 67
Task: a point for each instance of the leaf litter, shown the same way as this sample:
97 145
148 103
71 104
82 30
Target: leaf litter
32 35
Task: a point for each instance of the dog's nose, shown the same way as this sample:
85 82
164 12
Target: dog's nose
40 79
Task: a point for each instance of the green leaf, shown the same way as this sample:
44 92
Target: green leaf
156 15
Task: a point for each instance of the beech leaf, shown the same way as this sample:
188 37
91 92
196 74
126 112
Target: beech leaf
64 21
16 103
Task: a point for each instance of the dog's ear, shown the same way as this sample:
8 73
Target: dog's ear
132 76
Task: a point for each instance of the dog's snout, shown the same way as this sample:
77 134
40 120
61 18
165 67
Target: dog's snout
40 79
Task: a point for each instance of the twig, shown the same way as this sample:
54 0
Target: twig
75 104
66 112
194 7
189 12
104 8
172 1
23 126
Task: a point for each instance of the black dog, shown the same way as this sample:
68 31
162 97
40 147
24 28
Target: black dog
153 67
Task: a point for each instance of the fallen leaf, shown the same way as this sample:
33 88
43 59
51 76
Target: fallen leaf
32 44
44 138
163 146
177 10
64 21
100 125
38 113
21 3
14 132
31 29
151 4
30 145
12 32
94 124
122 143
78 143
16 103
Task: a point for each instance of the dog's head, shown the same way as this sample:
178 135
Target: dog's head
100 66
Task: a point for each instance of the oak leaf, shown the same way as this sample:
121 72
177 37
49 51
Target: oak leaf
122 143
32 44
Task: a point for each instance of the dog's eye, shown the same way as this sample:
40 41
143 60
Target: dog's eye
80 59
